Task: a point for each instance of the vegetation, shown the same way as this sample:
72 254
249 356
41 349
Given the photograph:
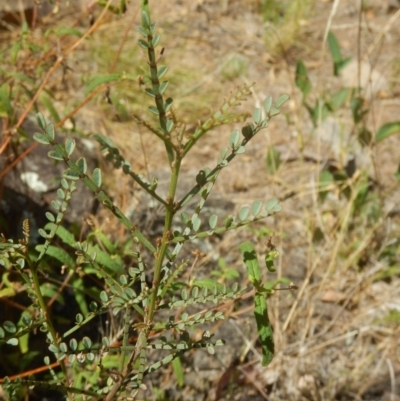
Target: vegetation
116 301
122 290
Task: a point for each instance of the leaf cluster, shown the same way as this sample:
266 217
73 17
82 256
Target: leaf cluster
123 288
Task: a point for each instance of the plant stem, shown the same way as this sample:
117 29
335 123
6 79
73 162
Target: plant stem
160 255
43 307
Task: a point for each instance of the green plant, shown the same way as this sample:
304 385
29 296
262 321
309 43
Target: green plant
101 368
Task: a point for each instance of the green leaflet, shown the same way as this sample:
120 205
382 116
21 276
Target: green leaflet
178 370
264 328
260 304
302 80
338 61
66 236
6 108
58 253
113 264
387 130
251 262
103 79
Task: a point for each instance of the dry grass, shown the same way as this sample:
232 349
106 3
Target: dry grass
333 338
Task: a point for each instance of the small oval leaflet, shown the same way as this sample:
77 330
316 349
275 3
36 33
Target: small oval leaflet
12 341
161 71
69 146
41 138
9 326
184 294
123 279
210 349
257 116
142 31
224 153
154 110
168 104
274 111
143 44
153 185
244 212
196 222
50 131
82 165
234 139
256 207
228 222
155 40
103 296
55 205
282 99
224 289
134 271
97 177
53 348
64 183
185 218
56 155
60 193
73 344
105 141
130 293
240 149
170 126
213 221
50 217
41 121
71 174
150 92
21 263
79 318
268 104
63 347
87 342
273 206
195 292
42 233
163 86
